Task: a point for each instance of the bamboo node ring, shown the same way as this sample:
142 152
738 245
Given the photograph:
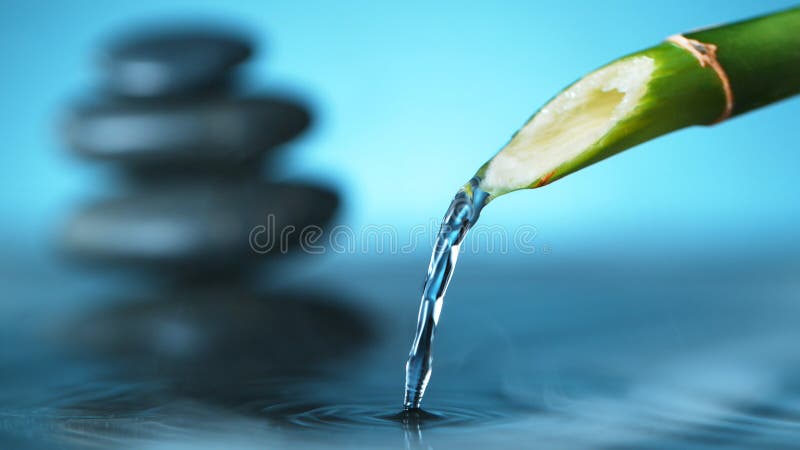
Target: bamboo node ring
706 54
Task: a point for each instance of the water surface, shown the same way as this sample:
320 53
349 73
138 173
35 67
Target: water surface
570 355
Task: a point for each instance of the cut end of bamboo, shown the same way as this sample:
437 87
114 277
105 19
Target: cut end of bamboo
569 125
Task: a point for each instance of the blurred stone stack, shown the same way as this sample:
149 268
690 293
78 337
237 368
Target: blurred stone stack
191 149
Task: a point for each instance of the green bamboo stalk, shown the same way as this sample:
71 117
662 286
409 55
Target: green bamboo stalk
650 93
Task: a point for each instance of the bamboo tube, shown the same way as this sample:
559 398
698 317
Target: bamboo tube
699 78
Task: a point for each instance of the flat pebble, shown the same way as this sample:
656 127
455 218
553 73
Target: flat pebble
197 227
172 61
211 131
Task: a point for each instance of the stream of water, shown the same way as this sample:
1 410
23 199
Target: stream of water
461 215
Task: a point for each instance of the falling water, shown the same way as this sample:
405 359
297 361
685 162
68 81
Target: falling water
462 214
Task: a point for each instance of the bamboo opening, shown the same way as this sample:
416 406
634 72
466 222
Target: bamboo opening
569 124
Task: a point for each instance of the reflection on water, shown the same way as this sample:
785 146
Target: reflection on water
380 413
219 344
666 359
220 327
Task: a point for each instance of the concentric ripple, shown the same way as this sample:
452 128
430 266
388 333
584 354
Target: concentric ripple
351 416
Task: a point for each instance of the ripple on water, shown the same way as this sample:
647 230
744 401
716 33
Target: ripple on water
105 415
353 416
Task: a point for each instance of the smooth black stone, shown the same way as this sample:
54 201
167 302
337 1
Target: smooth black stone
172 62
217 131
197 228
136 175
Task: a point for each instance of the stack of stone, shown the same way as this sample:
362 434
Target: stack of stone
192 149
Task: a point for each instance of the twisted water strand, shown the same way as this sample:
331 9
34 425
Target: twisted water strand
462 214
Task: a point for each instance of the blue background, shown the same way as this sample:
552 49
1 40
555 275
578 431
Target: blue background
411 98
